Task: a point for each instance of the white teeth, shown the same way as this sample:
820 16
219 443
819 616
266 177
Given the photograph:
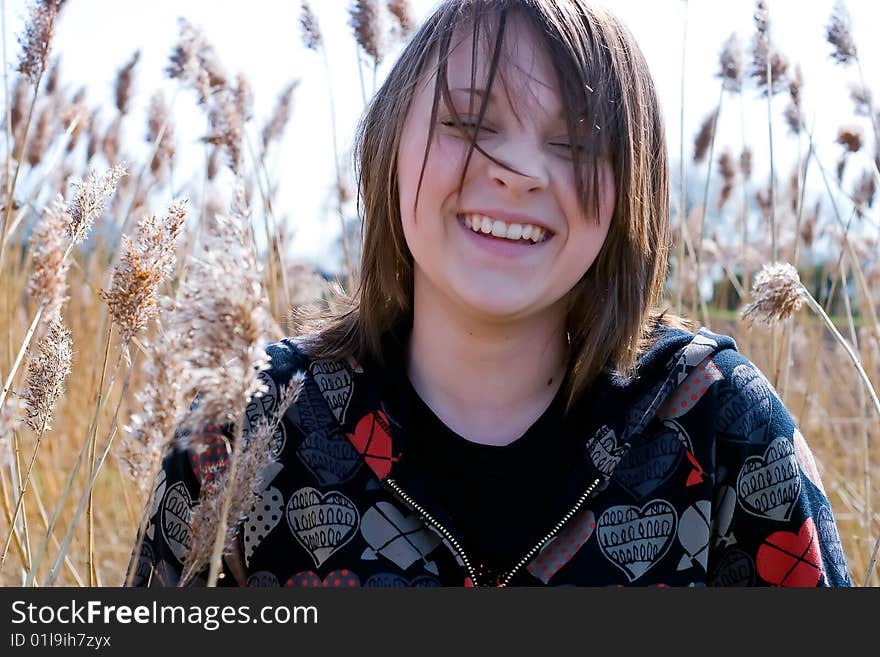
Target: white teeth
482 224
514 231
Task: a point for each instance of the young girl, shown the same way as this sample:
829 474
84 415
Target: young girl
502 403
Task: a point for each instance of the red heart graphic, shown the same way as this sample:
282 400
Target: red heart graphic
372 439
337 579
789 559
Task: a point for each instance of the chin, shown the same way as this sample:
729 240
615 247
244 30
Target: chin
495 305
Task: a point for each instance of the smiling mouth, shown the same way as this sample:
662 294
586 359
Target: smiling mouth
525 234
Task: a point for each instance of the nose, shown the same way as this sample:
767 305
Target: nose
527 170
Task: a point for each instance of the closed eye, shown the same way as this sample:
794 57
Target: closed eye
574 147
467 125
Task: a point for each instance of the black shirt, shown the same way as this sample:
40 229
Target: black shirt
500 500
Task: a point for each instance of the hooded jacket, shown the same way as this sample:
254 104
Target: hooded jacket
692 473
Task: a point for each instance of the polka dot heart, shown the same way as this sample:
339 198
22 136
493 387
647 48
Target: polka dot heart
264 516
689 392
559 550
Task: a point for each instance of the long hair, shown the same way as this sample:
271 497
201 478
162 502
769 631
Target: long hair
612 109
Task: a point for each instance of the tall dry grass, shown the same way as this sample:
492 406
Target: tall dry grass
104 260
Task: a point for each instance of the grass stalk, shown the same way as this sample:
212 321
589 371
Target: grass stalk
220 538
7 512
703 309
682 200
92 441
346 252
23 489
863 376
10 189
86 498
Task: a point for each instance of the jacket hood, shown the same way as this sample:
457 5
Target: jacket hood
623 408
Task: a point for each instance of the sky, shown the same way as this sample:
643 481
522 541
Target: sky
261 39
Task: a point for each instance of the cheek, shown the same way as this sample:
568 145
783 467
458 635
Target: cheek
439 183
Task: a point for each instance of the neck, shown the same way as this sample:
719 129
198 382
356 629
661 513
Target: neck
487 381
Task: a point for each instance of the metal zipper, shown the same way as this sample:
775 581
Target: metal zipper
559 525
505 580
427 516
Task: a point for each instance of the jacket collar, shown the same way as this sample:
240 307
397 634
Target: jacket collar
618 413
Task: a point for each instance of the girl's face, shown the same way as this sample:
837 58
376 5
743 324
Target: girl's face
496 276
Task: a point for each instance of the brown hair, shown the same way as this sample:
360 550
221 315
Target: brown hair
612 311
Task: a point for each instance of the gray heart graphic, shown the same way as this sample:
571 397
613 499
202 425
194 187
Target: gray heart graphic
321 522
635 539
176 519
768 486
334 382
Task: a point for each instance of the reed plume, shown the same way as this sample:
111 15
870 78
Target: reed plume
47 372
51 83
227 127
793 112
221 309
309 28
42 135
745 162
850 137
19 106
731 61
90 200
238 488
124 80
727 168
110 141
704 137
274 127
769 67
76 117
144 264
402 13
195 63
365 21
161 407
839 34
36 42
47 284
777 294
861 99
158 120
